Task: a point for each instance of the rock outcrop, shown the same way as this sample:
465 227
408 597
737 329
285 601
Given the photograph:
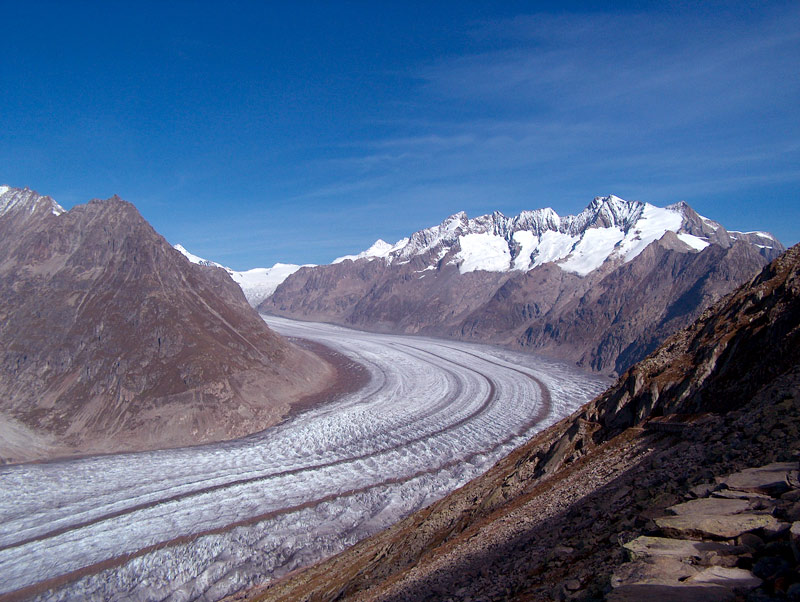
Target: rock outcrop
550 520
112 340
732 541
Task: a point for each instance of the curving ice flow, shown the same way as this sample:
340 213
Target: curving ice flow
203 522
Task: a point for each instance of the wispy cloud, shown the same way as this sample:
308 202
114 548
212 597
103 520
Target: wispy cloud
588 100
552 110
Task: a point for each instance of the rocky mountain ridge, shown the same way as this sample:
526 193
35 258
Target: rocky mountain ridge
608 228
258 283
628 271
547 522
112 341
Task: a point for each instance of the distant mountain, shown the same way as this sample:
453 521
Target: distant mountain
111 340
256 284
379 249
549 521
601 288
609 229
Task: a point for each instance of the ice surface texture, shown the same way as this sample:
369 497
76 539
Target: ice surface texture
434 415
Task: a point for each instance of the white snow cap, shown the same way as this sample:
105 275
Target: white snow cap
11 198
256 284
194 258
609 228
379 249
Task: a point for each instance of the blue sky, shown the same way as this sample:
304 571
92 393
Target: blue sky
256 132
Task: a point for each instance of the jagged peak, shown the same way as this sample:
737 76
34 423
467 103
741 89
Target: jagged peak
612 199
14 199
607 212
609 227
455 220
680 206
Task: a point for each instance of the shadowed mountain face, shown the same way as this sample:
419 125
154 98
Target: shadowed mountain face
547 521
601 289
112 340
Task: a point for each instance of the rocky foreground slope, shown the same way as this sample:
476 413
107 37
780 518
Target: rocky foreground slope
602 288
550 520
112 340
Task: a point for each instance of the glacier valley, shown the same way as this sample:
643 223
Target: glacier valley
200 523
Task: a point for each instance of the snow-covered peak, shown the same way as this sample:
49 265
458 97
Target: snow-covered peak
259 283
763 240
610 228
538 221
605 212
429 239
758 233
256 284
380 248
15 199
194 258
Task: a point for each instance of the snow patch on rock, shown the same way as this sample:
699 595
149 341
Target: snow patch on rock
593 249
695 242
15 198
484 251
652 225
379 249
256 284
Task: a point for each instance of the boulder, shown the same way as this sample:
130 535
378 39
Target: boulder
655 592
659 569
740 495
733 578
719 527
772 479
794 536
710 505
646 546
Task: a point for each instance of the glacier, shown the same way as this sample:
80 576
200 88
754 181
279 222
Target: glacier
202 522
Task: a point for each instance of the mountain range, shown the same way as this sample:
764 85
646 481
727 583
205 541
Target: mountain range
559 516
258 283
112 340
602 288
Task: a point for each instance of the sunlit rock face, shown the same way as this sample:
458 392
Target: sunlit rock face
112 340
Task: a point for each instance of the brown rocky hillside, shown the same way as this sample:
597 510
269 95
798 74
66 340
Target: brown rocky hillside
605 320
548 521
112 340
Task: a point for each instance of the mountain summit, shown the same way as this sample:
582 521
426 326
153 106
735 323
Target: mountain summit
111 340
553 519
610 228
601 288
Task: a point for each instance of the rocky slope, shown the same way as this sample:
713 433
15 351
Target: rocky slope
547 522
601 288
256 284
112 340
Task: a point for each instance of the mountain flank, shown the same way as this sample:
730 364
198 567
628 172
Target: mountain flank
550 520
602 288
113 341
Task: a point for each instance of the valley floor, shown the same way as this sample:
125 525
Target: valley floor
560 537
203 522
